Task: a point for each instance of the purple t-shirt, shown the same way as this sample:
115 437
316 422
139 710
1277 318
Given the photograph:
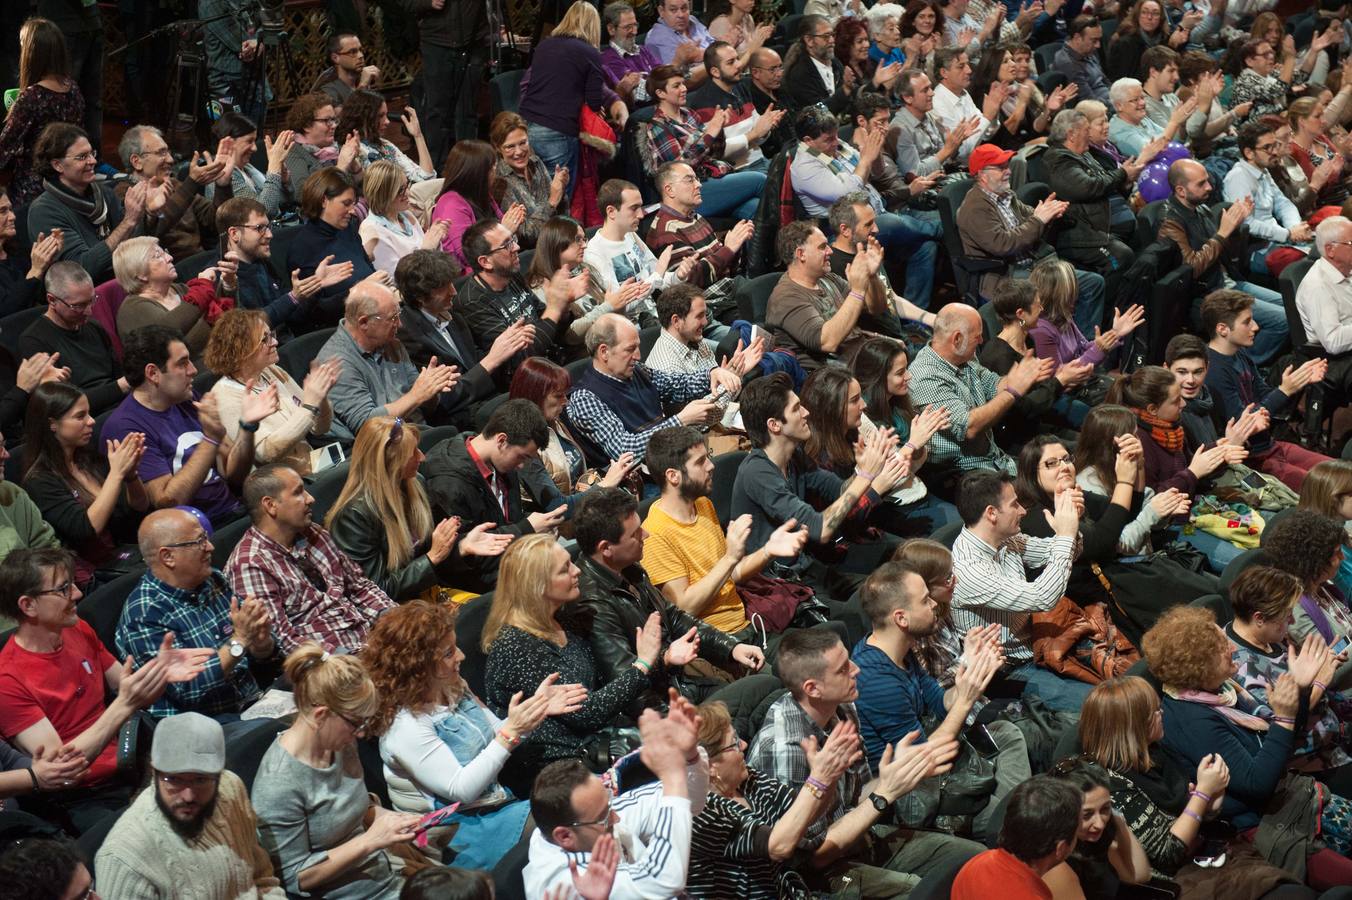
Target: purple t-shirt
170 438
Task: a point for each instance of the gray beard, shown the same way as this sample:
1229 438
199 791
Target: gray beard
627 45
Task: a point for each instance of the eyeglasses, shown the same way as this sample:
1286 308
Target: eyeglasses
687 179
778 68
63 590
269 337
355 51
73 307
83 157
161 254
735 745
1268 147
1267 54
601 822
1055 462
264 228
1328 244
824 34
327 120
179 781
510 244
398 316
201 542
163 152
357 725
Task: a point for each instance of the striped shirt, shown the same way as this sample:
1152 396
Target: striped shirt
730 846
677 550
992 586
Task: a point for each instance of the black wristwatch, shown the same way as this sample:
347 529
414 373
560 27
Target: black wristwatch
880 803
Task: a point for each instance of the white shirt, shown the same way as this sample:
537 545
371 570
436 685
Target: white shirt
618 261
827 73
951 110
388 242
420 767
1324 301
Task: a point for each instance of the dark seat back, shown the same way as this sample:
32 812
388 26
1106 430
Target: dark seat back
296 354
13 326
507 91
469 627
103 608
244 752
282 238
326 487
1245 560
1289 282
226 538
1046 56
1219 606
757 291
725 474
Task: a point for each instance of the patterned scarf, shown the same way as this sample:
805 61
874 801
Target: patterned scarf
327 154
94 207
1233 702
1168 435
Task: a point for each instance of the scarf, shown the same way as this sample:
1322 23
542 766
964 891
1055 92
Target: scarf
94 208
1227 703
1168 435
327 154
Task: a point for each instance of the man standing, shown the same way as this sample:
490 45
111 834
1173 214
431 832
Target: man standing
1210 241
454 48
926 145
66 334
1078 59
953 106
348 71
945 373
817 76
679 39
193 822
625 63
677 225
182 593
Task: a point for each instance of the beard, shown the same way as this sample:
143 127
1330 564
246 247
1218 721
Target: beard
191 829
628 45
692 491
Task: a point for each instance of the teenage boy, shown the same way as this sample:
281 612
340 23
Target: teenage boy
1236 382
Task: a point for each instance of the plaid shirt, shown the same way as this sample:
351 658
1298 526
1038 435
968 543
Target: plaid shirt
608 430
198 618
685 140
934 380
776 752
333 602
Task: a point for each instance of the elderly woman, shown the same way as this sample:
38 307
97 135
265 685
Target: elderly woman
1260 83
752 824
243 351
47 94
438 742
330 234
1207 712
539 191
245 180
390 230
533 630
368 115
1131 129
1327 490
1167 803
313 122
1311 546
145 270
315 817
884 29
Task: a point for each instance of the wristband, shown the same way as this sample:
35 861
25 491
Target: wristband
815 783
1013 393
913 447
812 789
867 476
511 742
250 428
1191 814
212 441
1201 796
1284 720
858 295
642 665
1319 684
31 774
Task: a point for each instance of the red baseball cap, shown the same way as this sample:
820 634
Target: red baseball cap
987 155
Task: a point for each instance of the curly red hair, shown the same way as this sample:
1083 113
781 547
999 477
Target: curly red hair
1183 646
401 652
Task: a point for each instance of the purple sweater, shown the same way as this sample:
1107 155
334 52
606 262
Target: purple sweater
1064 344
565 73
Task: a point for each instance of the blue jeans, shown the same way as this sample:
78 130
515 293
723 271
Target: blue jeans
1270 314
1072 410
1219 553
737 193
1062 694
916 241
555 149
1089 305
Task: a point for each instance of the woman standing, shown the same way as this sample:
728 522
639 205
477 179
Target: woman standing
315 817
243 351
93 503
528 182
438 742
390 230
383 520
366 114
245 180
47 94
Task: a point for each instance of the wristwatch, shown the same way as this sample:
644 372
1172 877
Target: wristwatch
880 803
236 649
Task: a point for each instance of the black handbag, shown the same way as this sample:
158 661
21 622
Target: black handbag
949 802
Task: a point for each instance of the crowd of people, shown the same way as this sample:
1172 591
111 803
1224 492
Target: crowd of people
755 464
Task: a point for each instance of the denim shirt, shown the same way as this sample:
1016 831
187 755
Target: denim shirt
467 731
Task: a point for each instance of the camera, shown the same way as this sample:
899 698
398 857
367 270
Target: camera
264 18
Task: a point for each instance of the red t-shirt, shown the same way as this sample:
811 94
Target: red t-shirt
65 687
998 873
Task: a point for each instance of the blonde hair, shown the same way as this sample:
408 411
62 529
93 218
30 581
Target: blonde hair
520 600
1054 281
714 722
381 183
339 683
1092 108
375 475
1324 487
581 21
1115 723
131 262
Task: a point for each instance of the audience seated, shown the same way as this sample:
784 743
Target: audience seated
1131 128
812 73
243 351
146 272
376 377
1324 299
677 38
744 124
188 457
330 233
580 821
90 217
1323 493
1260 83
1274 221
1190 655
924 144
536 630
86 502
247 182
1186 355
21 279
626 63
366 113
1108 858
821 678
1038 834
1313 150
678 225
438 742
526 179
55 674
1025 114
194 818
311 590
954 107
390 230
616 254
315 818
66 336
313 123
185 221
1078 58
1159 81
1057 335
681 347
764 80
471 191
1306 544
854 222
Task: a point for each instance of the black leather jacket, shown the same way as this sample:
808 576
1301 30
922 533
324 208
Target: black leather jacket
359 533
621 604
1080 179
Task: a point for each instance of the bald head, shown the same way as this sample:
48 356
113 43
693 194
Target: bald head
1189 182
366 298
957 332
610 330
164 527
614 346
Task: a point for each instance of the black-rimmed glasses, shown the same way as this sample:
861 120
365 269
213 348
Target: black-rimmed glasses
200 542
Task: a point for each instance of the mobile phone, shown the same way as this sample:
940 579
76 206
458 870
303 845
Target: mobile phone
326 457
435 818
1254 481
223 242
1340 645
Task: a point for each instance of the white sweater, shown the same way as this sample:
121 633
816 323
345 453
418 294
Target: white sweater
419 766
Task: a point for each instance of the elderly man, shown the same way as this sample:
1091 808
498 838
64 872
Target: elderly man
766 71
1209 240
677 225
378 378
817 76
73 342
1078 59
1131 129
311 590
183 220
194 818
678 39
616 404
924 144
995 224
182 593
945 373
625 63
1324 299
1275 221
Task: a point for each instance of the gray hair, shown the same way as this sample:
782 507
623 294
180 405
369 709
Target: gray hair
955 318
605 331
841 214
906 82
134 141
1066 121
161 527
1091 108
131 262
615 11
878 16
1118 92
1328 229
63 276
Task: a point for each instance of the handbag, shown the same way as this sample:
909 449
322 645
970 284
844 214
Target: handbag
1081 642
777 602
949 802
